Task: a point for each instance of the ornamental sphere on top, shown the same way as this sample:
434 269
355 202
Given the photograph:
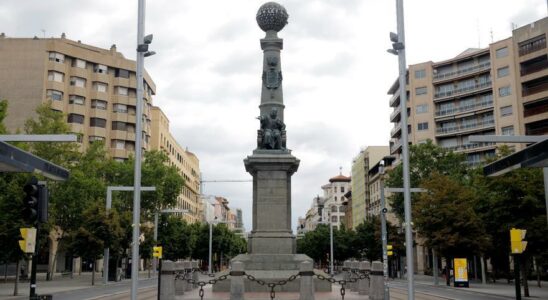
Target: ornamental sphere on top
272 16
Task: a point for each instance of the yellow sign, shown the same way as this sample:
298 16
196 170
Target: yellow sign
157 251
461 270
28 243
517 244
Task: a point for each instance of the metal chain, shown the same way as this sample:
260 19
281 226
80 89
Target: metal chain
271 285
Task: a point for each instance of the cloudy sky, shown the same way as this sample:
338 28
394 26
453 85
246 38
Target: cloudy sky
335 66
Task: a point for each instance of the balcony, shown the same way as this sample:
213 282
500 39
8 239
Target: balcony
471 146
470 70
394 147
535 88
463 109
395 130
394 114
532 46
533 67
465 127
536 108
395 99
462 91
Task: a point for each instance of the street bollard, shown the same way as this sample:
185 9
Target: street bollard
167 289
237 281
376 290
188 268
307 281
354 269
180 284
195 274
346 268
363 284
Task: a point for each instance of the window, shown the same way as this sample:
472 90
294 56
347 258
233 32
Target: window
100 87
119 108
422 126
75 118
98 104
78 81
120 90
79 63
118 144
502 52
97 122
54 95
94 138
116 125
57 57
121 73
422 108
420 73
504 91
506 111
342 189
333 208
420 90
75 99
334 219
100 69
56 76
508 130
502 72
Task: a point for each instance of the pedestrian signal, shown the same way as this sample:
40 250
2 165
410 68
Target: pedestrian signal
28 243
157 251
389 251
517 244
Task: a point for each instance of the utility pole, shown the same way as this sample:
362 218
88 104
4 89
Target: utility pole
384 233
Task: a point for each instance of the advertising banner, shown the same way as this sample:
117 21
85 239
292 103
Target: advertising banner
461 272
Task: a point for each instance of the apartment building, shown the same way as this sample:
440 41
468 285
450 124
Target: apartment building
361 165
501 89
373 205
186 162
94 87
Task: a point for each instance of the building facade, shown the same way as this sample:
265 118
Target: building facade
94 87
373 205
186 162
498 90
361 165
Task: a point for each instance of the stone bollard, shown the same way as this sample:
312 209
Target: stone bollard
237 281
167 288
376 291
307 281
188 269
346 270
195 275
180 284
354 268
363 284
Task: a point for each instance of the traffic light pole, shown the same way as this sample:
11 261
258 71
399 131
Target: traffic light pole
516 276
32 294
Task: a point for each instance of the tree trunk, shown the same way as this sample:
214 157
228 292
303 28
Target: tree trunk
93 271
16 285
538 271
448 271
6 272
524 272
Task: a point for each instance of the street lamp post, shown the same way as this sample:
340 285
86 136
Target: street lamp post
326 222
398 48
209 270
383 232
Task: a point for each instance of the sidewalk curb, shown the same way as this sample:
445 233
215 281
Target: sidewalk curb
470 291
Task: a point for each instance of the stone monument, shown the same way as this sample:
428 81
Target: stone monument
271 244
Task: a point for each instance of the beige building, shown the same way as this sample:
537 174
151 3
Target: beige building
361 165
373 205
501 89
94 87
186 162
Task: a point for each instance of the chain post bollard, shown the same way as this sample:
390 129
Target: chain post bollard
346 270
354 275
237 288
376 291
363 282
167 289
195 275
180 285
188 271
307 281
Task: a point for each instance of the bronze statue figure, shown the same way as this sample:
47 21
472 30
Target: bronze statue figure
272 128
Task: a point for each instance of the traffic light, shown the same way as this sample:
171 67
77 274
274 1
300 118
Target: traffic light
157 251
389 251
30 201
28 243
517 244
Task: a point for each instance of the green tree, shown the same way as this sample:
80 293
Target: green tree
174 236
425 159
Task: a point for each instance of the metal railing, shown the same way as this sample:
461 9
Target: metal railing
466 108
463 90
463 127
469 146
471 69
